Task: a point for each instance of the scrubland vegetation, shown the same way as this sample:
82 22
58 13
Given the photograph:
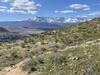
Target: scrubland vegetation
69 51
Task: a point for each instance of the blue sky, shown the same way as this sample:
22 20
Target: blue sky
25 9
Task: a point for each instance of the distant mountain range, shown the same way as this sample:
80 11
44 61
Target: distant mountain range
40 24
59 19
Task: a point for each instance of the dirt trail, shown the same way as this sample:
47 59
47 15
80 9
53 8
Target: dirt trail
15 70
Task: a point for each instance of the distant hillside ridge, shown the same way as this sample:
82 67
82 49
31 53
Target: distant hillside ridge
3 30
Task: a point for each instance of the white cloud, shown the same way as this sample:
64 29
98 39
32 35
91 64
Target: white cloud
94 13
64 11
16 11
3 8
6 0
39 5
71 8
83 16
22 6
86 9
80 6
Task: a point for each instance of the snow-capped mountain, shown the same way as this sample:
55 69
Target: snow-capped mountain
59 19
40 24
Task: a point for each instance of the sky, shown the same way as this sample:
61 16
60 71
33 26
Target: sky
16 10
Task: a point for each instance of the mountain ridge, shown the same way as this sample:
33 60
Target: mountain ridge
59 19
40 24
3 30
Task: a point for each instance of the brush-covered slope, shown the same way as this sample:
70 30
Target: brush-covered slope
68 51
87 31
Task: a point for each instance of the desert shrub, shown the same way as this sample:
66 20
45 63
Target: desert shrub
11 57
92 69
23 45
38 51
0 44
16 55
30 40
32 65
56 58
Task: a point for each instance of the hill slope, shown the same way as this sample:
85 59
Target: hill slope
3 29
68 51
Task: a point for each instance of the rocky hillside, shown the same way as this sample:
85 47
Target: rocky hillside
3 29
69 51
